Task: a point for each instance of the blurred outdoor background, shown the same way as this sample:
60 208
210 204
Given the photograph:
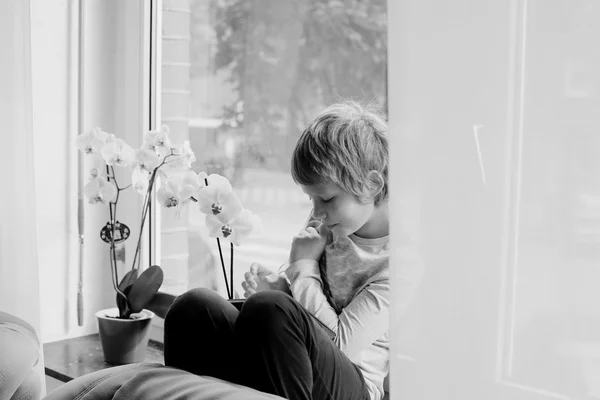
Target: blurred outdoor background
241 79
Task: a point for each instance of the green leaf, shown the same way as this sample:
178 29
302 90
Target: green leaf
144 288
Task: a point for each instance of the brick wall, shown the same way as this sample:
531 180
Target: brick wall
175 101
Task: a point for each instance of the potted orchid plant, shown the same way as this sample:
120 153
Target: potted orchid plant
157 163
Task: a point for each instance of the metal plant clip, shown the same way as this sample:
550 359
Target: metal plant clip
122 232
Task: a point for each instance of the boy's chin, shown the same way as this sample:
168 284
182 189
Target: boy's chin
341 231
336 230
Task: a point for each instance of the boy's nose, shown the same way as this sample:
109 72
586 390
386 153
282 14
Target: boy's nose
318 213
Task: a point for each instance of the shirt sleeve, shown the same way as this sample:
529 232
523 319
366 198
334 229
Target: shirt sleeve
360 323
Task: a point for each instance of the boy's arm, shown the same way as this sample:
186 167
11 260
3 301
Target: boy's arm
366 318
360 324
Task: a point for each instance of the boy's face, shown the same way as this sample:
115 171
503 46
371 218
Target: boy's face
339 210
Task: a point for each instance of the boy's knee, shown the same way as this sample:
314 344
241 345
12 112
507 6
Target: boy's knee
197 295
192 300
268 301
268 310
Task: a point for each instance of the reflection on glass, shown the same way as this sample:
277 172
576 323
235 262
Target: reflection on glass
557 331
241 79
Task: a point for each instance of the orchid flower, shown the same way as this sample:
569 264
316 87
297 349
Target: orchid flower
180 158
157 139
185 155
219 200
92 142
100 190
201 179
167 195
147 159
140 179
118 153
186 185
237 230
98 167
216 179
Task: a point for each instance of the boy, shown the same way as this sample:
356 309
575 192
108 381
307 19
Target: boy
337 277
341 163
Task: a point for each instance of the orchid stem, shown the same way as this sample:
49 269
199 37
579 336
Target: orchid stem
112 209
145 208
231 270
223 267
116 286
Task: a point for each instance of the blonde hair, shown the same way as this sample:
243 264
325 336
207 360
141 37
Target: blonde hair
342 145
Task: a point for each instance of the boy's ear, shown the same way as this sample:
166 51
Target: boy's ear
376 182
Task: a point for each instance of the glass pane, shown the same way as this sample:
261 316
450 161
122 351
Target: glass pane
241 79
557 313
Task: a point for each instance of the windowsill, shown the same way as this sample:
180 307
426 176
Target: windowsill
157 330
68 359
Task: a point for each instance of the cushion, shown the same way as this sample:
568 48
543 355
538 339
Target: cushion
152 381
19 353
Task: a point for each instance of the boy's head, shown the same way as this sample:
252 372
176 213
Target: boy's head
347 144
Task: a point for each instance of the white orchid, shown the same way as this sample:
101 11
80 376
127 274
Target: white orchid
140 179
185 185
216 179
180 157
158 139
147 159
99 190
235 231
92 142
201 179
97 168
219 200
118 153
185 155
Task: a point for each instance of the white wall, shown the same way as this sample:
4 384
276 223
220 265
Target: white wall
112 99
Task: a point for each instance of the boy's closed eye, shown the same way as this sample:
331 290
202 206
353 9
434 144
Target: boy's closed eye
323 200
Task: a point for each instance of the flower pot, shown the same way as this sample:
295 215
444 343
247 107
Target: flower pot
124 341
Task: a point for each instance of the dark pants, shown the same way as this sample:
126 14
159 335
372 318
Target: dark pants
272 345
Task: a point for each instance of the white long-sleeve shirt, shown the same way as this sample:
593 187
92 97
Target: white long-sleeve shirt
358 274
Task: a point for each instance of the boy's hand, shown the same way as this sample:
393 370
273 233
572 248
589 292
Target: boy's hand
260 278
310 243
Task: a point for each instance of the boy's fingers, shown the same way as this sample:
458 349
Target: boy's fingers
249 293
253 284
323 230
263 270
248 276
254 268
314 223
311 230
244 285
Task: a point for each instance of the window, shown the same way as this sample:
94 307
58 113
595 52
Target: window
240 80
